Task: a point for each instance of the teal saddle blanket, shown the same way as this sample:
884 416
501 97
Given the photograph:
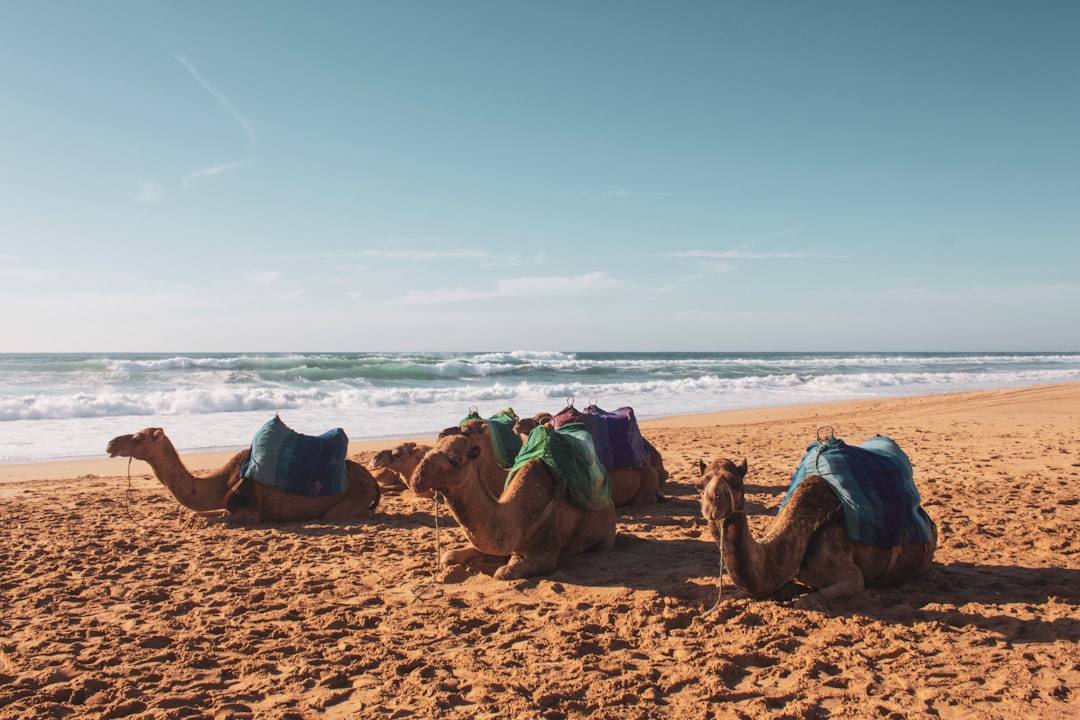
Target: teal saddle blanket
308 465
874 482
571 455
504 440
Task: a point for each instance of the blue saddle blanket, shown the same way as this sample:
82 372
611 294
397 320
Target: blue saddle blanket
875 484
308 465
571 455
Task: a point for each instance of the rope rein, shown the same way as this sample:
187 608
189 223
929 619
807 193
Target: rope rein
723 568
127 498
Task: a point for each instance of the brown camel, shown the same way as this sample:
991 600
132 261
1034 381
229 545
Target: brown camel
246 502
393 467
529 523
806 543
629 486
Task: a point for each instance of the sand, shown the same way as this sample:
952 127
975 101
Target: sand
116 602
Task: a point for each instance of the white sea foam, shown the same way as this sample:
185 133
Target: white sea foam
219 401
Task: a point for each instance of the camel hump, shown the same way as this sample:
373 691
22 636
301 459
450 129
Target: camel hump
570 454
308 465
616 435
875 484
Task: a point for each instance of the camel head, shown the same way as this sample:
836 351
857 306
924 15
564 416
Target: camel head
455 448
722 488
140 446
524 426
394 456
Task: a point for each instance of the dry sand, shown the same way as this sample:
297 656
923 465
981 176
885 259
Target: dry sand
116 603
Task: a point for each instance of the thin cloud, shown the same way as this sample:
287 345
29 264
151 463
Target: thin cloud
213 170
607 194
264 277
240 119
517 288
148 192
743 255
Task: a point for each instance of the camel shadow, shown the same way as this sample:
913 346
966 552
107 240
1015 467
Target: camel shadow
937 596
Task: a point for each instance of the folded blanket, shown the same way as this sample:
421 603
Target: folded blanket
874 482
571 455
306 465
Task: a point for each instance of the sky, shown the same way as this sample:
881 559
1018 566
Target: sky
586 175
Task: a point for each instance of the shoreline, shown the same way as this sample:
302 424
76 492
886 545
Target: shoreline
89 467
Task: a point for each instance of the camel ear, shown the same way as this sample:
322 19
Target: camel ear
742 467
455 430
700 467
158 433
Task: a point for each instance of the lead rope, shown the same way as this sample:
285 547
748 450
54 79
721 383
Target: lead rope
421 592
127 499
719 585
720 577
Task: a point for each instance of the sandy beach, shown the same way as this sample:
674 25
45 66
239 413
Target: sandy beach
117 602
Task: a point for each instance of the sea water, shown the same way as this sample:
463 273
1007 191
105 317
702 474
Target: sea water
65 406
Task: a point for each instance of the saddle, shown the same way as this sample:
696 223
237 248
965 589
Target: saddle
616 435
875 483
308 465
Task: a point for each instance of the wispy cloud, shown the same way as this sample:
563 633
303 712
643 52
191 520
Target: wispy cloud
518 288
263 277
743 255
240 119
148 192
606 194
214 170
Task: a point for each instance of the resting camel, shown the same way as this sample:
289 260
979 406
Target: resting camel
392 468
251 502
529 522
807 541
629 486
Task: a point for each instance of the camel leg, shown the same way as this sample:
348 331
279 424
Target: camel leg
521 566
464 556
830 566
649 487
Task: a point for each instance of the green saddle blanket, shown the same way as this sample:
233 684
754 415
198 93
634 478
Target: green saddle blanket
571 455
504 440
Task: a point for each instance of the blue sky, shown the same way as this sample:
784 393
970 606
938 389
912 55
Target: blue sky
377 176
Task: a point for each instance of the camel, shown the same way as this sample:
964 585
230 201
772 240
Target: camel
246 502
629 486
392 468
806 543
530 524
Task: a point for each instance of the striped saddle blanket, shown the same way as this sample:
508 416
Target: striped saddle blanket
875 484
306 465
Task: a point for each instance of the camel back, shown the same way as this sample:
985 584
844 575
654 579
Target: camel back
616 435
504 440
306 465
874 482
570 454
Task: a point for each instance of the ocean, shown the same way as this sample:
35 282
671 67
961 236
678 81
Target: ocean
67 406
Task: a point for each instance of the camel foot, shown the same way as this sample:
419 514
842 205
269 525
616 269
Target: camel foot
462 556
522 567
